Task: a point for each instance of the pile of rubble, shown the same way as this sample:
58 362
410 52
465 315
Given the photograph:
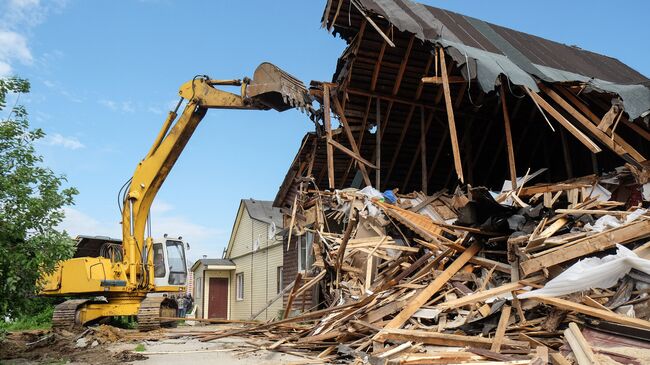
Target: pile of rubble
553 272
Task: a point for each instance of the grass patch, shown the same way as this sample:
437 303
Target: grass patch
127 322
24 322
139 348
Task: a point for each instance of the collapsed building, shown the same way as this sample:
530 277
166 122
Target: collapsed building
458 173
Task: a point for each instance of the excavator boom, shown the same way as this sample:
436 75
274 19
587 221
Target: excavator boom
126 281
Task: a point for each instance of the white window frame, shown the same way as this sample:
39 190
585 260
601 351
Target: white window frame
305 240
239 280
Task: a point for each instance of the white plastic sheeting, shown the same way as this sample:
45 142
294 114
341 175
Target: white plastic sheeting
608 221
592 273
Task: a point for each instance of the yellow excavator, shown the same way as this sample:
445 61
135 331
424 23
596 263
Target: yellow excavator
128 277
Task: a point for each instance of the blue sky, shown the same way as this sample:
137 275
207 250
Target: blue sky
104 74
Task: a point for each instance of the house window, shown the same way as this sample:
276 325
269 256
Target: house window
240 286
278 279
305 251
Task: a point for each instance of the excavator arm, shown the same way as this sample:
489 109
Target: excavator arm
270 88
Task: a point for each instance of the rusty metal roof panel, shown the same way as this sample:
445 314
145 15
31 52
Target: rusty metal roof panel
483 51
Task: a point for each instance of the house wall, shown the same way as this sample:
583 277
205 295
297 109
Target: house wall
197 290
259 269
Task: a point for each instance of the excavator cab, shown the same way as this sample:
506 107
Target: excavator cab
170 264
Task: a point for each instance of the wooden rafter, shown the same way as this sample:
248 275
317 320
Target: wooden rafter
417 152
353 144
616 144
508 132
586 141
450 117
328 130
398 147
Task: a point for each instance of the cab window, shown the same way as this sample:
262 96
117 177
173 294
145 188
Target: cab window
158 260
177 265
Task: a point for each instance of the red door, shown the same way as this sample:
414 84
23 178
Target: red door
218 298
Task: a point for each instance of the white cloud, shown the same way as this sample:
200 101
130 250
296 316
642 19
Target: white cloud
5 69
59 89
17 19
78 223
122 106
13 47
56 139
203 239
159 206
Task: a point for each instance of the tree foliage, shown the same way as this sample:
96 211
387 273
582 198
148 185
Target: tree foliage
31 202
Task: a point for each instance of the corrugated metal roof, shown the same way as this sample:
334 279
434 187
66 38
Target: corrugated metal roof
433 24
484 51
263 210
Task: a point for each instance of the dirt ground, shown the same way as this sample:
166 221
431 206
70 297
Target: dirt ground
110 345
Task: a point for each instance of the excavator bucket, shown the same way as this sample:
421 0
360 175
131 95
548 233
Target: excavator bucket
278 90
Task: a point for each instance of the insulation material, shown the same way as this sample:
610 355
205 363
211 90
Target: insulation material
593 272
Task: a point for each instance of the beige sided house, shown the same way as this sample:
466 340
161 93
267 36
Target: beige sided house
250 274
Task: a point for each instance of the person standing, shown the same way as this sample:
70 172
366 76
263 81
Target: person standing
182 303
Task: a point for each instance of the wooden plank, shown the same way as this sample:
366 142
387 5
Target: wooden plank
378 132
440 80
350 153
587 300
450 117
593 312
443 339
402 66
433 287
509 146
328 130
374 25
580 356
499 336
584 345
617 144
423 152
398 146
558 359
482 296
588 245
292 295
346 127
586 141
315 280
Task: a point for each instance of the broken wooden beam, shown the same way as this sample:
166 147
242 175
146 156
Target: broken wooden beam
433 287
450 117
588 245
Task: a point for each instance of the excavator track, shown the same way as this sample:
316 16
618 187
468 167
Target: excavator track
151 309
65 314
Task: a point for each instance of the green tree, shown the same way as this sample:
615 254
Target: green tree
31 202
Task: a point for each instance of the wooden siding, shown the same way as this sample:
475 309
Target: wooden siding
259 268
290 264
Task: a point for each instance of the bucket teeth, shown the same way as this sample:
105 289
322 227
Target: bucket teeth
273 88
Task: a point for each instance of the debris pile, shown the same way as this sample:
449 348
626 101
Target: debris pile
473 276
88 346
